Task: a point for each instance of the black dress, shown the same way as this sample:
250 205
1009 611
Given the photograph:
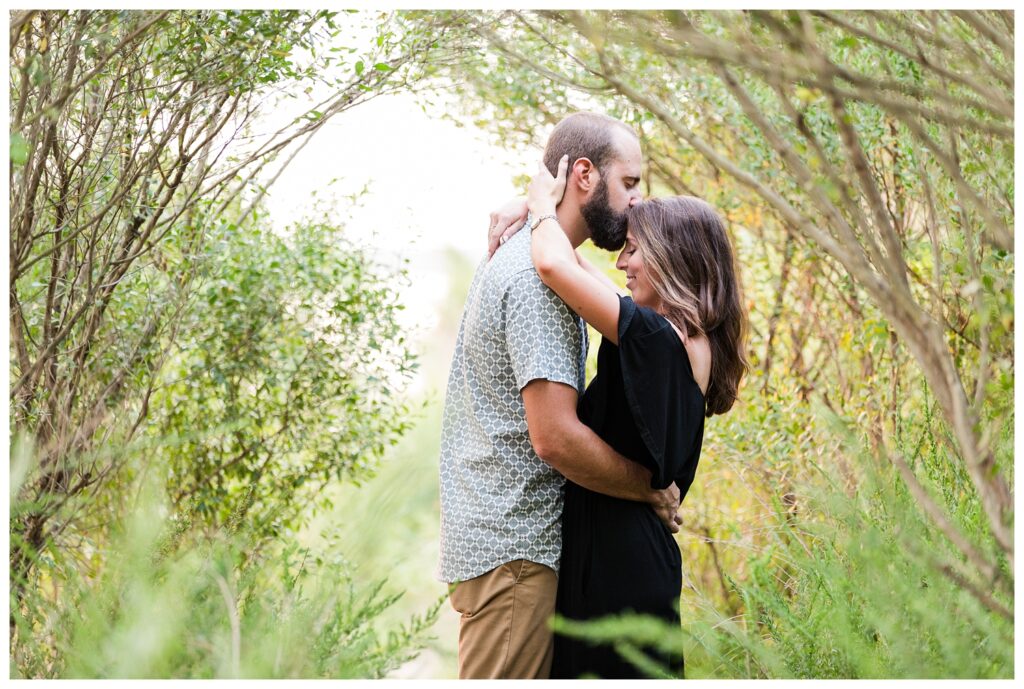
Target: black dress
617 556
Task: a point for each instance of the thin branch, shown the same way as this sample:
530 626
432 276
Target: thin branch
977 22
991 98
66 93
988 570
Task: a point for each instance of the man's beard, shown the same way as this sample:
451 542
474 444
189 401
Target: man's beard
607 228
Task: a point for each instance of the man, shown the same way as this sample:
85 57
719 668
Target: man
510 435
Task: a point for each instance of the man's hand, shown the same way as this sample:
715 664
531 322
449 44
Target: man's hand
665 504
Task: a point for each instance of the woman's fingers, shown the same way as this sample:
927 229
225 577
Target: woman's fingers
511 230
563 166
545 187
496 235
493 235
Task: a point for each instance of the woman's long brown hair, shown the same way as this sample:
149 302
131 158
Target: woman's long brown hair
692 268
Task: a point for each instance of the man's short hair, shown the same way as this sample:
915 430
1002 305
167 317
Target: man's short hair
583 135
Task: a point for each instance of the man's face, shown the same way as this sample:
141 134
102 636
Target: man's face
617 189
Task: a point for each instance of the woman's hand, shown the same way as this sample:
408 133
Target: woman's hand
558 265
545 192
505 222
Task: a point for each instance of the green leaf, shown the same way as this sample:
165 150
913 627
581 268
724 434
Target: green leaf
19 149
360 67
381 67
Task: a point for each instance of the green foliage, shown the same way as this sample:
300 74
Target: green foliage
862 599
166 333
241 49
19 149
147 150
389 525
177 603
631 636
292 347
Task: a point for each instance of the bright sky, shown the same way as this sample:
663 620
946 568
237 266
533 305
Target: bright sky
431 186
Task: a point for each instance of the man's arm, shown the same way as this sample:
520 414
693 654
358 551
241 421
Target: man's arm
579 454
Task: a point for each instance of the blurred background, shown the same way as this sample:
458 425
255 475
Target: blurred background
240 242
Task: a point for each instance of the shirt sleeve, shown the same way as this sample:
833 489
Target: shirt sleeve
544 336
666 402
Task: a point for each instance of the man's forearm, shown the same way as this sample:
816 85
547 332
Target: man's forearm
579 454
586 460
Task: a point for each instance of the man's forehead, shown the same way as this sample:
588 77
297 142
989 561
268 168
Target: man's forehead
629 156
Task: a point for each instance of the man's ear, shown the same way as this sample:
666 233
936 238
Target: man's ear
584 174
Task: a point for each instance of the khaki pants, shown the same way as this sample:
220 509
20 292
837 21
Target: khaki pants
504 632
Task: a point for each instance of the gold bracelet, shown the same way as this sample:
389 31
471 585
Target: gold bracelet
541 219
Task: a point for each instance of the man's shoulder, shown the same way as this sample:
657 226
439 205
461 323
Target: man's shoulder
509 282
512 265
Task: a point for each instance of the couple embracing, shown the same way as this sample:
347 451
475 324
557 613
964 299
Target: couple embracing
558 497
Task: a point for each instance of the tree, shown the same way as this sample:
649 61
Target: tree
893 157
135 168
870 154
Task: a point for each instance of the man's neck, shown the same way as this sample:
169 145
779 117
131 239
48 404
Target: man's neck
573 224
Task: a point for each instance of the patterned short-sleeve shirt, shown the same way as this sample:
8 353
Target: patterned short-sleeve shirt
499 500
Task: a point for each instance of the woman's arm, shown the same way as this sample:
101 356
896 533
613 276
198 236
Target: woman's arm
599 274
555 259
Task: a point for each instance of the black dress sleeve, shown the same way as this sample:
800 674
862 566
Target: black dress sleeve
665 400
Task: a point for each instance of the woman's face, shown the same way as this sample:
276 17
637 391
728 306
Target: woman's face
638 281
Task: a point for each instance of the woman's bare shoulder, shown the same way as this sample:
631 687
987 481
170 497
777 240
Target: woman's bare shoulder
699 351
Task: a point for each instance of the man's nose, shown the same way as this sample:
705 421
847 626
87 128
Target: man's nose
635 199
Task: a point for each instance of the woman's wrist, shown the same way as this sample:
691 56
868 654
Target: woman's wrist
538 220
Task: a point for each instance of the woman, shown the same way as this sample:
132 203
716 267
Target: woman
671 354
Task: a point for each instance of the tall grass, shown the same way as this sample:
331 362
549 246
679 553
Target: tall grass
390 524
161 598
857 595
